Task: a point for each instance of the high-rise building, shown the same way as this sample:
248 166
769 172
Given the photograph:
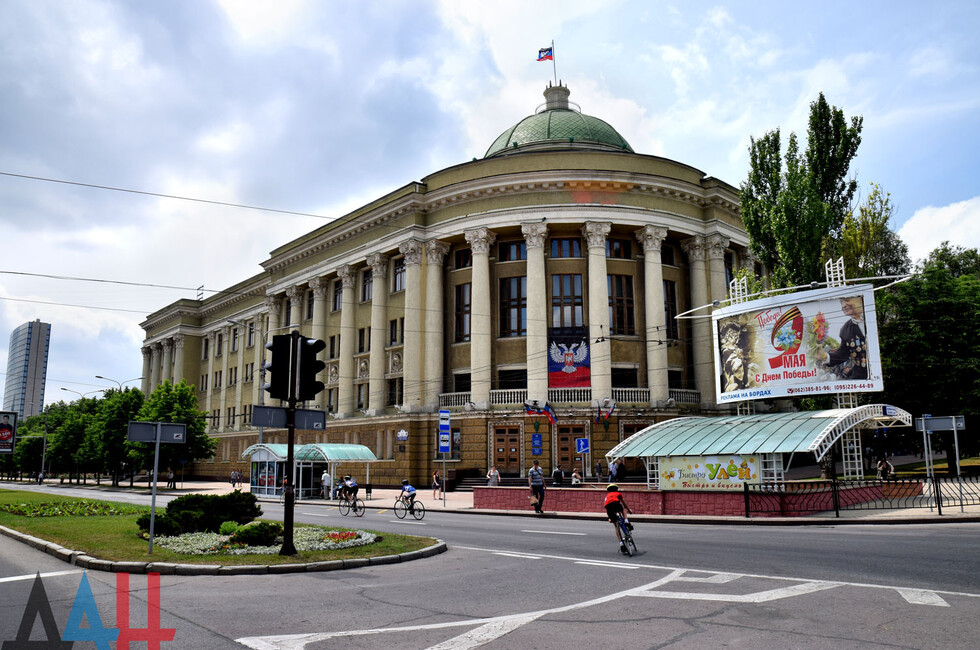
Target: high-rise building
27 368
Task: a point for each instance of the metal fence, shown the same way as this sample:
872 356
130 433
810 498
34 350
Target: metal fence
799 498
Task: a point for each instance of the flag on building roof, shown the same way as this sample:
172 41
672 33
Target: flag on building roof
546 54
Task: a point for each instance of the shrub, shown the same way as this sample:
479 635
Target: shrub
228 528
194 513
257 533
162 525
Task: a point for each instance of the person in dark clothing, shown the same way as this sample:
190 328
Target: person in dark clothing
535 480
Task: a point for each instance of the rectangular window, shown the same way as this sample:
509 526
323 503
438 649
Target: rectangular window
396 391
461 382
512 379
218 344
362 396
309 304
401 330
621 312
566 247
367 285
288 313
251 335
625 378
234 339
232 375
513 306
215 418
338 295
249 372
566 300
670 310
667 255
463 258
462 313
512 251
675 379
204 382
230 416
217 379
247 415
393 332
333 345
205 347
619 249
363 340
398 275
331 400
729 267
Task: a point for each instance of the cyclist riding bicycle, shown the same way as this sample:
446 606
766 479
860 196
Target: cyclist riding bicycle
348 488
614 505
408 492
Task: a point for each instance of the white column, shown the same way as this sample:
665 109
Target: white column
412 350
155 366
240 375
535 235
434 323
345 384
178 373
147 382
295 295
210 392
166 365
260 328
651 238
595 234
319 286
704 376
222 392
480 239
379 314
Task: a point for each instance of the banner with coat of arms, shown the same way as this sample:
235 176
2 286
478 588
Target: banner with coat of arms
569 357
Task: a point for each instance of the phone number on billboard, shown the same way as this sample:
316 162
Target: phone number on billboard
826 387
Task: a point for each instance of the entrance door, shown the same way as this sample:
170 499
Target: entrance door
566 456
506 450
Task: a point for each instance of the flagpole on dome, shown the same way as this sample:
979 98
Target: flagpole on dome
554 63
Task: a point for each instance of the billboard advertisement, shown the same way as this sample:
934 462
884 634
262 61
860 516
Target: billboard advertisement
8 427
799 344
708 472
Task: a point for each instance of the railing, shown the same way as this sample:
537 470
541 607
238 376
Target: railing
508 396
685 396
795 498
631 395
568 395
447 400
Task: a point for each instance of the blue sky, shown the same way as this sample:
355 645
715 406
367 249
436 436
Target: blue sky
319 107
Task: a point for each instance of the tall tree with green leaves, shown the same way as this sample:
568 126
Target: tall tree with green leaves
107 432
867 243
176 404
789 213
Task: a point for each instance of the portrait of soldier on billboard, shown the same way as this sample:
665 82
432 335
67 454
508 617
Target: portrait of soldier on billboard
8 421
850 359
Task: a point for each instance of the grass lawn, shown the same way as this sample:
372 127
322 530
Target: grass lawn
115 537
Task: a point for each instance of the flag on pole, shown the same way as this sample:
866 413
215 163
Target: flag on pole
598 414
546 54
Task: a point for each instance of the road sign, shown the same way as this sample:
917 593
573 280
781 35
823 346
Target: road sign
444 447
581 445
146 432
940 423
444 421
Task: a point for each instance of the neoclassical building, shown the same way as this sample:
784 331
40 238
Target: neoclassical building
561 245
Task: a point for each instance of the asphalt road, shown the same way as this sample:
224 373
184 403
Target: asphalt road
520 582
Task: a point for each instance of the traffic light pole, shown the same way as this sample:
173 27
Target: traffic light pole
288 548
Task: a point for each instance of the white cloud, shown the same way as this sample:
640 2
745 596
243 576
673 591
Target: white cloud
957 223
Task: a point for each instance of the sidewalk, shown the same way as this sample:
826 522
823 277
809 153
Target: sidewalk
462 502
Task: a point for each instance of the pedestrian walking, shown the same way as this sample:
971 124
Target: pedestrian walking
535 481
598 470
437 485
493 476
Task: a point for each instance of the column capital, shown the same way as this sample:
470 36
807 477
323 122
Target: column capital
378 264
651 238
319 287
435 251
596 232
535 234
412 250
147 351
179 341
716 244
694 247
294 293
347 275
274 305
167 344
480 239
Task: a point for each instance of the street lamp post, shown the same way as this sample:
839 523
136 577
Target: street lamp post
118 383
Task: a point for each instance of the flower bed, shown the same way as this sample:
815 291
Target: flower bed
70 509
306 538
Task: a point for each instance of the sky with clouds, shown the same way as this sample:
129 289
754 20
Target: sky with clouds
318 107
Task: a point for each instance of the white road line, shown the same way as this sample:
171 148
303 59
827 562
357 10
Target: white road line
43 575
612 565
922 597
520 555
407 523
758 597
716 579
551 532
315 514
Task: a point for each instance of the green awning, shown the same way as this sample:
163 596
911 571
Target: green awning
762 433
333 453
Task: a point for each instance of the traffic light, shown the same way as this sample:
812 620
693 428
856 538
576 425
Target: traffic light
277 384
309 367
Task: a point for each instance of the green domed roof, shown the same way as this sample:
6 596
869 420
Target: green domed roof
557 125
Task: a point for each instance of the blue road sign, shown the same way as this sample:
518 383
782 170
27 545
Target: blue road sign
581 445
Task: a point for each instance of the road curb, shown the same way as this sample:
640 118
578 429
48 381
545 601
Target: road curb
80 559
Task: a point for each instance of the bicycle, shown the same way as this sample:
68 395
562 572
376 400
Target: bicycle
403 506
346 504
627 534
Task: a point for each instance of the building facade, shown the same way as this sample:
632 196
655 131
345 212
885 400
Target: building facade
27 368
454 292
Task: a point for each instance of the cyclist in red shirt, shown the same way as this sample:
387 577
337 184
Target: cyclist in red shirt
615 504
